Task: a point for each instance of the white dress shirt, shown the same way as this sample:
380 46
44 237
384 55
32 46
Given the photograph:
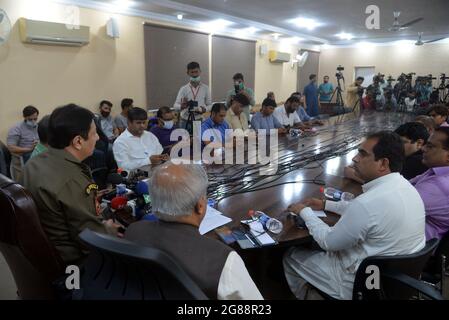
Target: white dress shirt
235 282
133 152
201 94
387 219
286 119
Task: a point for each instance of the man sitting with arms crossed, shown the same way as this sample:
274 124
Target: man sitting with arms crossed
433 185
179 198
137 147
62 185
265 119
235 116
388 219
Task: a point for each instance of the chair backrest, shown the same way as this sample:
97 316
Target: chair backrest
5 160
117 269
33 260
411 265
443 250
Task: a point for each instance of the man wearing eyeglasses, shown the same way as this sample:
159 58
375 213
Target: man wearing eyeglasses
433 185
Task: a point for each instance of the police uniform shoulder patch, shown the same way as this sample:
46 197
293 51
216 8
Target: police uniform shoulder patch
91 187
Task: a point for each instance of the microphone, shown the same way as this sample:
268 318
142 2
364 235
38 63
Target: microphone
118 203
142 188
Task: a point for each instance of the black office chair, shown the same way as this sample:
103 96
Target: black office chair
436 271
399 276
118 269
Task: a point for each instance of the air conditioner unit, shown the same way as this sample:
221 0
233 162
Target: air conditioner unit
50 33
278 57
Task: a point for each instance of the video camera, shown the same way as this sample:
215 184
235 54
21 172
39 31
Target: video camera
390 79
443 77
191 105
339 74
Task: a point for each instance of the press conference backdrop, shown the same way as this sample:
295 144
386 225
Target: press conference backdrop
167 53
231 56
310 67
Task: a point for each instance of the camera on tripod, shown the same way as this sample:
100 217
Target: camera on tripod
390 79
192 105
443 77
339 74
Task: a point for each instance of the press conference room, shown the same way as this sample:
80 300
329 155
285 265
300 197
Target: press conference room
218 150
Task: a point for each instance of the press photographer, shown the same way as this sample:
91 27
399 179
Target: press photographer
240 88
354 94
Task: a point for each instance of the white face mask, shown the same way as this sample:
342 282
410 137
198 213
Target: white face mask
31 123
168 124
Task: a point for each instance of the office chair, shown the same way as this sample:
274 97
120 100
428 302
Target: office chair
34 262
436 273
399 276
5 160
117 269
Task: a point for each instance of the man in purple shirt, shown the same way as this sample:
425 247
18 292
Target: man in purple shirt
164 128
433 185
439 113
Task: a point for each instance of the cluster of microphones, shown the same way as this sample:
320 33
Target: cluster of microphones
131 195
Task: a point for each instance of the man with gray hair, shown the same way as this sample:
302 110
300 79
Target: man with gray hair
179 200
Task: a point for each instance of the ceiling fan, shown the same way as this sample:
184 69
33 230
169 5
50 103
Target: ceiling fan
397 26
421 43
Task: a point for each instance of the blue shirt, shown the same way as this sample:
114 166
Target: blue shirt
323 88
259 121
303 114
210 124
311 93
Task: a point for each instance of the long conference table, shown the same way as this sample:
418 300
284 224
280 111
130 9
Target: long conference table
327 153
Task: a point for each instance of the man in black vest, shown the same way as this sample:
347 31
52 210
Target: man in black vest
179 200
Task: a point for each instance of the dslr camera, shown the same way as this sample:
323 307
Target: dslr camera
339 74
191 105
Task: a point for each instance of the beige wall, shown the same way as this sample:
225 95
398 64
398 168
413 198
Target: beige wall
431 58
49 76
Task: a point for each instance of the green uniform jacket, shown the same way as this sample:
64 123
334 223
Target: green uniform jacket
60 184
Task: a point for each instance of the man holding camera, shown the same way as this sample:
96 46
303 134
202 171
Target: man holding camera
354 94
193 98
240 88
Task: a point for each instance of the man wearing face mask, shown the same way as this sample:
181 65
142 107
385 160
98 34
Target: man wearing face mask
164 128
23 137
194 92
240 88
107 123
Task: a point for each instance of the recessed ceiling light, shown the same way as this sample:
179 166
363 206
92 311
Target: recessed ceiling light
306 23
180 16
345 36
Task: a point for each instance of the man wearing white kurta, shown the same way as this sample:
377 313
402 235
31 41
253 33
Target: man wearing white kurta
387 219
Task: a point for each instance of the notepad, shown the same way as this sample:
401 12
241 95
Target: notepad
213 219
259 233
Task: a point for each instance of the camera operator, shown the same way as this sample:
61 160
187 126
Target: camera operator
354 94
377 91
194 97
240 88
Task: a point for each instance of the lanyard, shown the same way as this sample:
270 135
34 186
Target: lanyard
195 94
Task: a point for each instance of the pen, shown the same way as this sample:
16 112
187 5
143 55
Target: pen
246 235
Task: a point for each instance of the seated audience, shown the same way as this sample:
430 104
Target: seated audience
179 199
108 125
387 219
287 115
23 137
235 116
240 88
136 147
428 122
302 113
42 131
439 114
433 185
265 119
414 136
121 120
410 101
217 123
62 185
164 128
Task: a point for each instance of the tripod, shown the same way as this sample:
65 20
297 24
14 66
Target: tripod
338 91
189 122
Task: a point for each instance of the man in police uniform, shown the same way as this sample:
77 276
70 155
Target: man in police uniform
62 185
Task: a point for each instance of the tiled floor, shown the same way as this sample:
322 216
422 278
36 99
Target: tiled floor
7 286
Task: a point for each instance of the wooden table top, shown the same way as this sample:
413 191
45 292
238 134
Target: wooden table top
338 131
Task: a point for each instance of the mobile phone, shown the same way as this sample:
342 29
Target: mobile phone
225 235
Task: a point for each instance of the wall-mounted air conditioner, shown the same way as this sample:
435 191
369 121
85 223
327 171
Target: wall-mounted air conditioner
278 57
50 33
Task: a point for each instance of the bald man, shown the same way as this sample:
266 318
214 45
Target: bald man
179 200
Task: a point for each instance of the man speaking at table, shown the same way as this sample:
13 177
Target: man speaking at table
388 219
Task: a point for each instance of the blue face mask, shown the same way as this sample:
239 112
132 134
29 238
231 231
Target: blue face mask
31 123
195 79
168 124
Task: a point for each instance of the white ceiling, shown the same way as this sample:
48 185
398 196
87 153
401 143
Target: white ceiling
336 16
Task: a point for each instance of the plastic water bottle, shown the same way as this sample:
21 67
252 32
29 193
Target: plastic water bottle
271 224
337 195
